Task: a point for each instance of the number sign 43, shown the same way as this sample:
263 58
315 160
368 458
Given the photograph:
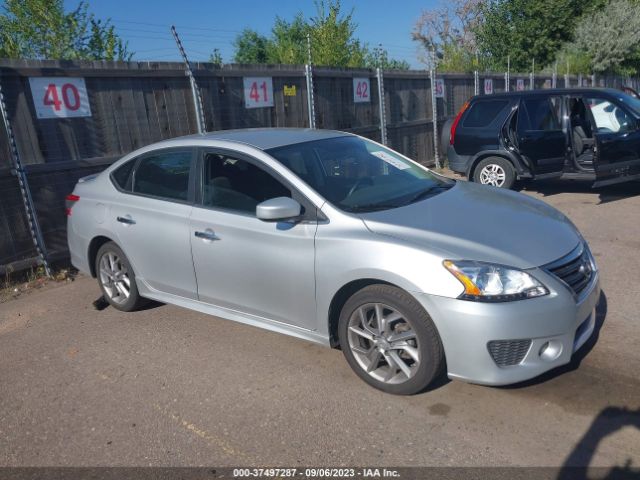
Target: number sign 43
60 97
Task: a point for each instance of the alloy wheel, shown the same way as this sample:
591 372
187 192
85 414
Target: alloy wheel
114 277
383 343
492 174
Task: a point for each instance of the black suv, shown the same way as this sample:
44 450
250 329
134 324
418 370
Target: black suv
580 133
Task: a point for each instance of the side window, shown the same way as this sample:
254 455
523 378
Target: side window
234 184
608 117
540 113
483 112
121 176
164 175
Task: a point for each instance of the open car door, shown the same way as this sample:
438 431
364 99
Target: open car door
541 139
617 138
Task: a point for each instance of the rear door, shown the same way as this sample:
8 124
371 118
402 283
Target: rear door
150 217
617 136
541 139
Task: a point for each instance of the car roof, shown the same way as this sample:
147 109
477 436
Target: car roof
266 138
550 91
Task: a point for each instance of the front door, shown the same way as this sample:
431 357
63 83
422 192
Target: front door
243 263
617 135
541 139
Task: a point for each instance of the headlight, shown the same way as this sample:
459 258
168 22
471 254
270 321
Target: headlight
485 282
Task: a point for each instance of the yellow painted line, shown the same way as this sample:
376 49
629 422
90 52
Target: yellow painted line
211 439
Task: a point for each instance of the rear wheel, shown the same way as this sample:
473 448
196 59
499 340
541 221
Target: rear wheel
117 279
495 171
389 340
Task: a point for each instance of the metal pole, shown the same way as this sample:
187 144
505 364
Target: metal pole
27 200
434 109
476 82
532 75
593 80
507 75
195 91
308 71
554 77
383 117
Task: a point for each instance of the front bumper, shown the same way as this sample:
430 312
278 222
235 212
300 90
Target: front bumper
467 327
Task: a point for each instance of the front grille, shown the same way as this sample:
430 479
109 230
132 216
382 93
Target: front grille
574 269
508 352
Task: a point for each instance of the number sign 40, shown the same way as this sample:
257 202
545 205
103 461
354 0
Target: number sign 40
60 97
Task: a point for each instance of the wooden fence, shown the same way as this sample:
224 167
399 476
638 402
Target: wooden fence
134 104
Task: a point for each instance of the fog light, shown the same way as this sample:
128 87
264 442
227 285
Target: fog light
550 350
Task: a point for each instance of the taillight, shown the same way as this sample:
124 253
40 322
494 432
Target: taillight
70 201
454 125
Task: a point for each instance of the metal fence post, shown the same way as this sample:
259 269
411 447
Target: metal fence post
381 106
27 200
593 79
566 80
434 116
531 81
476 82
554 80
310 100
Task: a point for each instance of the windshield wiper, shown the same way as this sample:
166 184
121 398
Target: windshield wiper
432 190
371 207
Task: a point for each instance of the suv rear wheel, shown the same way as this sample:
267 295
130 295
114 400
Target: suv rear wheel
495 171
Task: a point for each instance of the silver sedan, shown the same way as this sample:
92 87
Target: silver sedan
335 239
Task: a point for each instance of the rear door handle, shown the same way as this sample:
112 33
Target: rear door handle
126 220
208 234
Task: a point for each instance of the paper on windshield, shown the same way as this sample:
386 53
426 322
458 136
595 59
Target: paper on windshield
399 164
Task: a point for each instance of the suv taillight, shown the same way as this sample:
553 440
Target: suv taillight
70 201
454 125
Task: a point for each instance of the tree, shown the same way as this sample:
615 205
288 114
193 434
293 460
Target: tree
41 29
610 37
251 47
449 31
379 57
288 44
216 57
332 40
525 30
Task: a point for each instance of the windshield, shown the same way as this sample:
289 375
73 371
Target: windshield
357 175
631 102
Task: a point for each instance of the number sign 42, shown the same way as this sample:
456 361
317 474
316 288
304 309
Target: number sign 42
59 97
361 90
258 92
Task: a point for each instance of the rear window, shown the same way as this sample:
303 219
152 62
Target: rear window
540 114
164 175
484 112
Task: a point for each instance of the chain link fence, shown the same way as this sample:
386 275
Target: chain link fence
59 139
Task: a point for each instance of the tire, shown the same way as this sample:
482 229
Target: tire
420 350
444 138
495 171
112 263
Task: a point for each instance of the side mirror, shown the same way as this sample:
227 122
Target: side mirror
280 208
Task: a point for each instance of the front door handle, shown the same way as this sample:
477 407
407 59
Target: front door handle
208 234
126 220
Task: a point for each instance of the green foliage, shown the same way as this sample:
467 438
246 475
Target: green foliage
216 57
332 37
379 57
251 47
41 29
525 30
610 37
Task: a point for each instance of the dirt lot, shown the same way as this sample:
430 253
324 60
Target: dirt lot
167 386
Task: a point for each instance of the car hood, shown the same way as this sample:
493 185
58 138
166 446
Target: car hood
475 222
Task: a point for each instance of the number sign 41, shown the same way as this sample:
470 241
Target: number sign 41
258 92
59 97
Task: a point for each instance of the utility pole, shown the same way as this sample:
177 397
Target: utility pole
434 107
308 70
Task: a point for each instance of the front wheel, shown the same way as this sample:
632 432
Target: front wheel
389 340
495 171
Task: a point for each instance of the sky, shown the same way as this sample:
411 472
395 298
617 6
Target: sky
207 24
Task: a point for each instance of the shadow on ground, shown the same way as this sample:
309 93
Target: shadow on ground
607 194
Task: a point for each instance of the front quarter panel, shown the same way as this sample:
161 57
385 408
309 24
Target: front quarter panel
347 251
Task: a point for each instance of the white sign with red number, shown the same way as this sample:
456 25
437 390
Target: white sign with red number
258 92
520 84
361 90
439 88
488 86
59 97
